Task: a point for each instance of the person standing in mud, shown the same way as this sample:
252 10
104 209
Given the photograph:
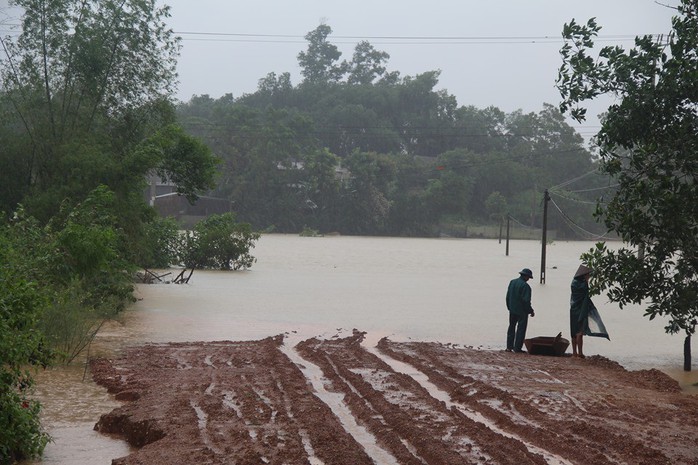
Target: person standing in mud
519 305
584 318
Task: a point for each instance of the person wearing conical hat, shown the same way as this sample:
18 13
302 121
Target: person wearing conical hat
584 317
519 305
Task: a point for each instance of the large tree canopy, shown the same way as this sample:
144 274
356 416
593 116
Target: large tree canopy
649 143
320 63
82 86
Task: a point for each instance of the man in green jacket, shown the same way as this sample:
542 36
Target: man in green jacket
519 306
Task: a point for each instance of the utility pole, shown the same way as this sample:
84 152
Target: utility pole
687 349
546 199
501 222
508 218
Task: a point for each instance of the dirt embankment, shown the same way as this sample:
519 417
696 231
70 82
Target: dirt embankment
419 403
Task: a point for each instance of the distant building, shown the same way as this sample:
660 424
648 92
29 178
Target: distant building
341 174
167 202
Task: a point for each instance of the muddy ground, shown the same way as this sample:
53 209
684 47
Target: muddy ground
264 402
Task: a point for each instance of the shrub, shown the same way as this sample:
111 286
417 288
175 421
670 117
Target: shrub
218 242
71 322
21 347
309 232
88 241
161 243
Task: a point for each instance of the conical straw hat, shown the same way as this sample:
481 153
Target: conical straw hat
582 270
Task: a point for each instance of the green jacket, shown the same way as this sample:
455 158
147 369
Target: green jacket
519 297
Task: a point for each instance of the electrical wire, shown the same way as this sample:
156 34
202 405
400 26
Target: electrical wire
587 202
594 189
395 40
571 181
570 222
211 36
530 228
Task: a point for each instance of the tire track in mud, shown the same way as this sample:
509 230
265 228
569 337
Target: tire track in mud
336 402
414 426
220 403
551 459
573 419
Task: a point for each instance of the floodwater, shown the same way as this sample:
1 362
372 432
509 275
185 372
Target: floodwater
446 290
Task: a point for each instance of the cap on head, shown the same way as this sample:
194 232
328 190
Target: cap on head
526 272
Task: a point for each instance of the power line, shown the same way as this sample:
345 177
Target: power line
521 224
209 36
239 34
568 182
587 202
397 40
594 189
570 222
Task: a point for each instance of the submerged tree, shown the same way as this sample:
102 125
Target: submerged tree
649 143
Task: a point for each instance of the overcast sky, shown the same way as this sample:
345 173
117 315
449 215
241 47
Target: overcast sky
513 66
503 53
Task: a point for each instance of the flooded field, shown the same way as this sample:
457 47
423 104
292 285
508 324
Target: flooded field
430 290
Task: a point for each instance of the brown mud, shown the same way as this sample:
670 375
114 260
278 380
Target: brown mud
421 403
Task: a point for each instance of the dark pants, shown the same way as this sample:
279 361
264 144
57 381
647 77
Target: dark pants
517 331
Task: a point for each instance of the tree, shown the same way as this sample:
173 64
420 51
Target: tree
496 205
179 158
275 89
319 64
365 203
649 143
220 242
367 64
450 186
261 155
78 63
83 85
321 188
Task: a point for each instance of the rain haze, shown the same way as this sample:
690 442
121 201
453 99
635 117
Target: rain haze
502 53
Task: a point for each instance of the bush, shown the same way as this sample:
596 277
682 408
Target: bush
83 280
161 243
89 250
21 347
70 323
21 436
309 232
218 242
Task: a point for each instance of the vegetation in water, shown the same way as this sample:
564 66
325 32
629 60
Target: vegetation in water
218 242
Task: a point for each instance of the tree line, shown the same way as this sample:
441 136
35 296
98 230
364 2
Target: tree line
357 149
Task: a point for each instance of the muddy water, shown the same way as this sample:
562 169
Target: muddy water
443 290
